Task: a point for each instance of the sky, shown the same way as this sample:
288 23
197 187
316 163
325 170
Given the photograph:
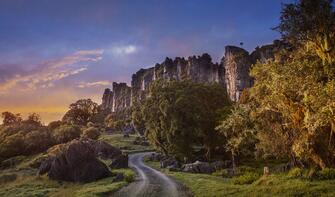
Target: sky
54 52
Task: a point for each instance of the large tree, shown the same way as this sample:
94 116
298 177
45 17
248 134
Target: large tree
310 24
81 112
181 115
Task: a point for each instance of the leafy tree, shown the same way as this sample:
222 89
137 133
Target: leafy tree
66 133
33 119
81 112
10 118
310 24
180 115
294 103
239 132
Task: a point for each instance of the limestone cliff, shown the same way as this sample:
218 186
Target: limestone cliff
232 73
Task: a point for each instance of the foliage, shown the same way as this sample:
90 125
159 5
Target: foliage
118 121
295 173
66 133
238 131
92 133
326 174
180 115
81 112
310 24
129 177
33 119
10 118
246 178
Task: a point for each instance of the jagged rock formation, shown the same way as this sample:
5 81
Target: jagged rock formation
118 99
237 63
232 72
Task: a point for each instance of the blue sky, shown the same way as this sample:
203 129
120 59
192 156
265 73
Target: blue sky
53 52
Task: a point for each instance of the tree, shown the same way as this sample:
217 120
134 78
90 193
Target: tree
310 24
66 133
293 102
33 119
81 112
180 115
239 132
10 118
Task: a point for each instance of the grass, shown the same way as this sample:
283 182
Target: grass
21 180
273 185
125 144
26 183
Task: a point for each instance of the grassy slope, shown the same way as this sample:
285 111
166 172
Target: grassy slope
125 144
27 183
273 185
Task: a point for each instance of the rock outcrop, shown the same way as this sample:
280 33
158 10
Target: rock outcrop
237 64
118 99
77 161
232 73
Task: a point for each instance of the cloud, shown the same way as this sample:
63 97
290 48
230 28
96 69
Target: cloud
47 73
94 84
124 50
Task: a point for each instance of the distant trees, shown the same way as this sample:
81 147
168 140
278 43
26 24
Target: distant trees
81 112
10 118
181 115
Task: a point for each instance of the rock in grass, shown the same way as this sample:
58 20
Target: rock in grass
198 167
75 161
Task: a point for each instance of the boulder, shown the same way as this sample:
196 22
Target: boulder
168 161
120 161
76 162
104 150
198 167
218 165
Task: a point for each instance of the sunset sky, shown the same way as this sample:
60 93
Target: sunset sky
54 52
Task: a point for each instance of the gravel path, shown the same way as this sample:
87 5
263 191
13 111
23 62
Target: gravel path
150 182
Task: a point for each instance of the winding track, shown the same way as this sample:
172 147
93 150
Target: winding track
150 182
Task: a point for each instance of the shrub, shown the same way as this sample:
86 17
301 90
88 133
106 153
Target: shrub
222 173
129 177
295 173
326 174
92 133
12 146
246 178
66 133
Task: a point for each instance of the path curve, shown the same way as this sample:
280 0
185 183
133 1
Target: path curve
150 182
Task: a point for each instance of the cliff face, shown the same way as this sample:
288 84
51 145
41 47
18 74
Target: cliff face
237 63
232 73
118 99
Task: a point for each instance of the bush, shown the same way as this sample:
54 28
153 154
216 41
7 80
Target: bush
92 133
129 177
295 173
66 133
246 178
326 174
222 173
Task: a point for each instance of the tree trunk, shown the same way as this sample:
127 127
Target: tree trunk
233 161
